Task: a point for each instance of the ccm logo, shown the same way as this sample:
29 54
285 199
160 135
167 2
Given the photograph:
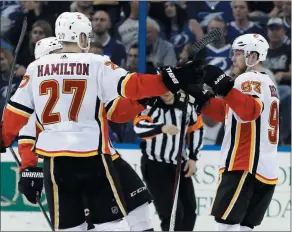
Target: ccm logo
137 191
220 78
174 80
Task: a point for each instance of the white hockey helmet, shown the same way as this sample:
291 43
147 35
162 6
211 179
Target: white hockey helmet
45 46
251 43
70 25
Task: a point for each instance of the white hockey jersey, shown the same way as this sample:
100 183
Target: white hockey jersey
68 92
252 146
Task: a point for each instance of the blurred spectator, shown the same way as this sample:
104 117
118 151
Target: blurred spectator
277 9
286 12
204 11
279 61
182 4
101 23
178 29
128 30
155 12
84 7
241 25
285 114
113 8
132 61
57 7
96 48
261 12
5 67
5 44
279 54
34 11
217 53
40 29
263 6
10 11
161 52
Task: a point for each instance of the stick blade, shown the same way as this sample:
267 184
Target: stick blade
208 38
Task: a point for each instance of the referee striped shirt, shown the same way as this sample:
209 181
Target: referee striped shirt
163 147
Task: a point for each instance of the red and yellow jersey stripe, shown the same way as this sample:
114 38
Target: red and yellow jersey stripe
138 86
122 110
14 118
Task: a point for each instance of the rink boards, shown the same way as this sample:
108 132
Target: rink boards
25 216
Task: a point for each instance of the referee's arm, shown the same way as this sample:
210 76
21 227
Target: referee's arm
195 135
145 128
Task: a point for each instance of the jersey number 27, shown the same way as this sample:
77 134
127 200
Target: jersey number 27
51 87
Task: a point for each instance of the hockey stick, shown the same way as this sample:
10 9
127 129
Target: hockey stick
22 35
208 38
178 166
9 90
197 47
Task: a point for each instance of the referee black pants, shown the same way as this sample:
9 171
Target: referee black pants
159 178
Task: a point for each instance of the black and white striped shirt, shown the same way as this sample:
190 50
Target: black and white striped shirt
163 147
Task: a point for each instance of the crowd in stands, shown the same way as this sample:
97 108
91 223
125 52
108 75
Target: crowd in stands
172 26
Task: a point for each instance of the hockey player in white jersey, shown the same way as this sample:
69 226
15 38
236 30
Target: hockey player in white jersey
138 218
250 109
67 92
27 135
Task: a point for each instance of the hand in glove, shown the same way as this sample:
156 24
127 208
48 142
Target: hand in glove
217 80
199 97
183 77
31 183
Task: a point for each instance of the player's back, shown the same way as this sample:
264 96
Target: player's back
252 145
67 104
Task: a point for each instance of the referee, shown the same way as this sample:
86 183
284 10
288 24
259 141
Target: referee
159 127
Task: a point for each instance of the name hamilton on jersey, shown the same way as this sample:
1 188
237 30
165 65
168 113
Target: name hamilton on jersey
63 69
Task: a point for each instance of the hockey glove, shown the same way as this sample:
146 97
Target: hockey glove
31 183
2 148
182 77
201 97
217 80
